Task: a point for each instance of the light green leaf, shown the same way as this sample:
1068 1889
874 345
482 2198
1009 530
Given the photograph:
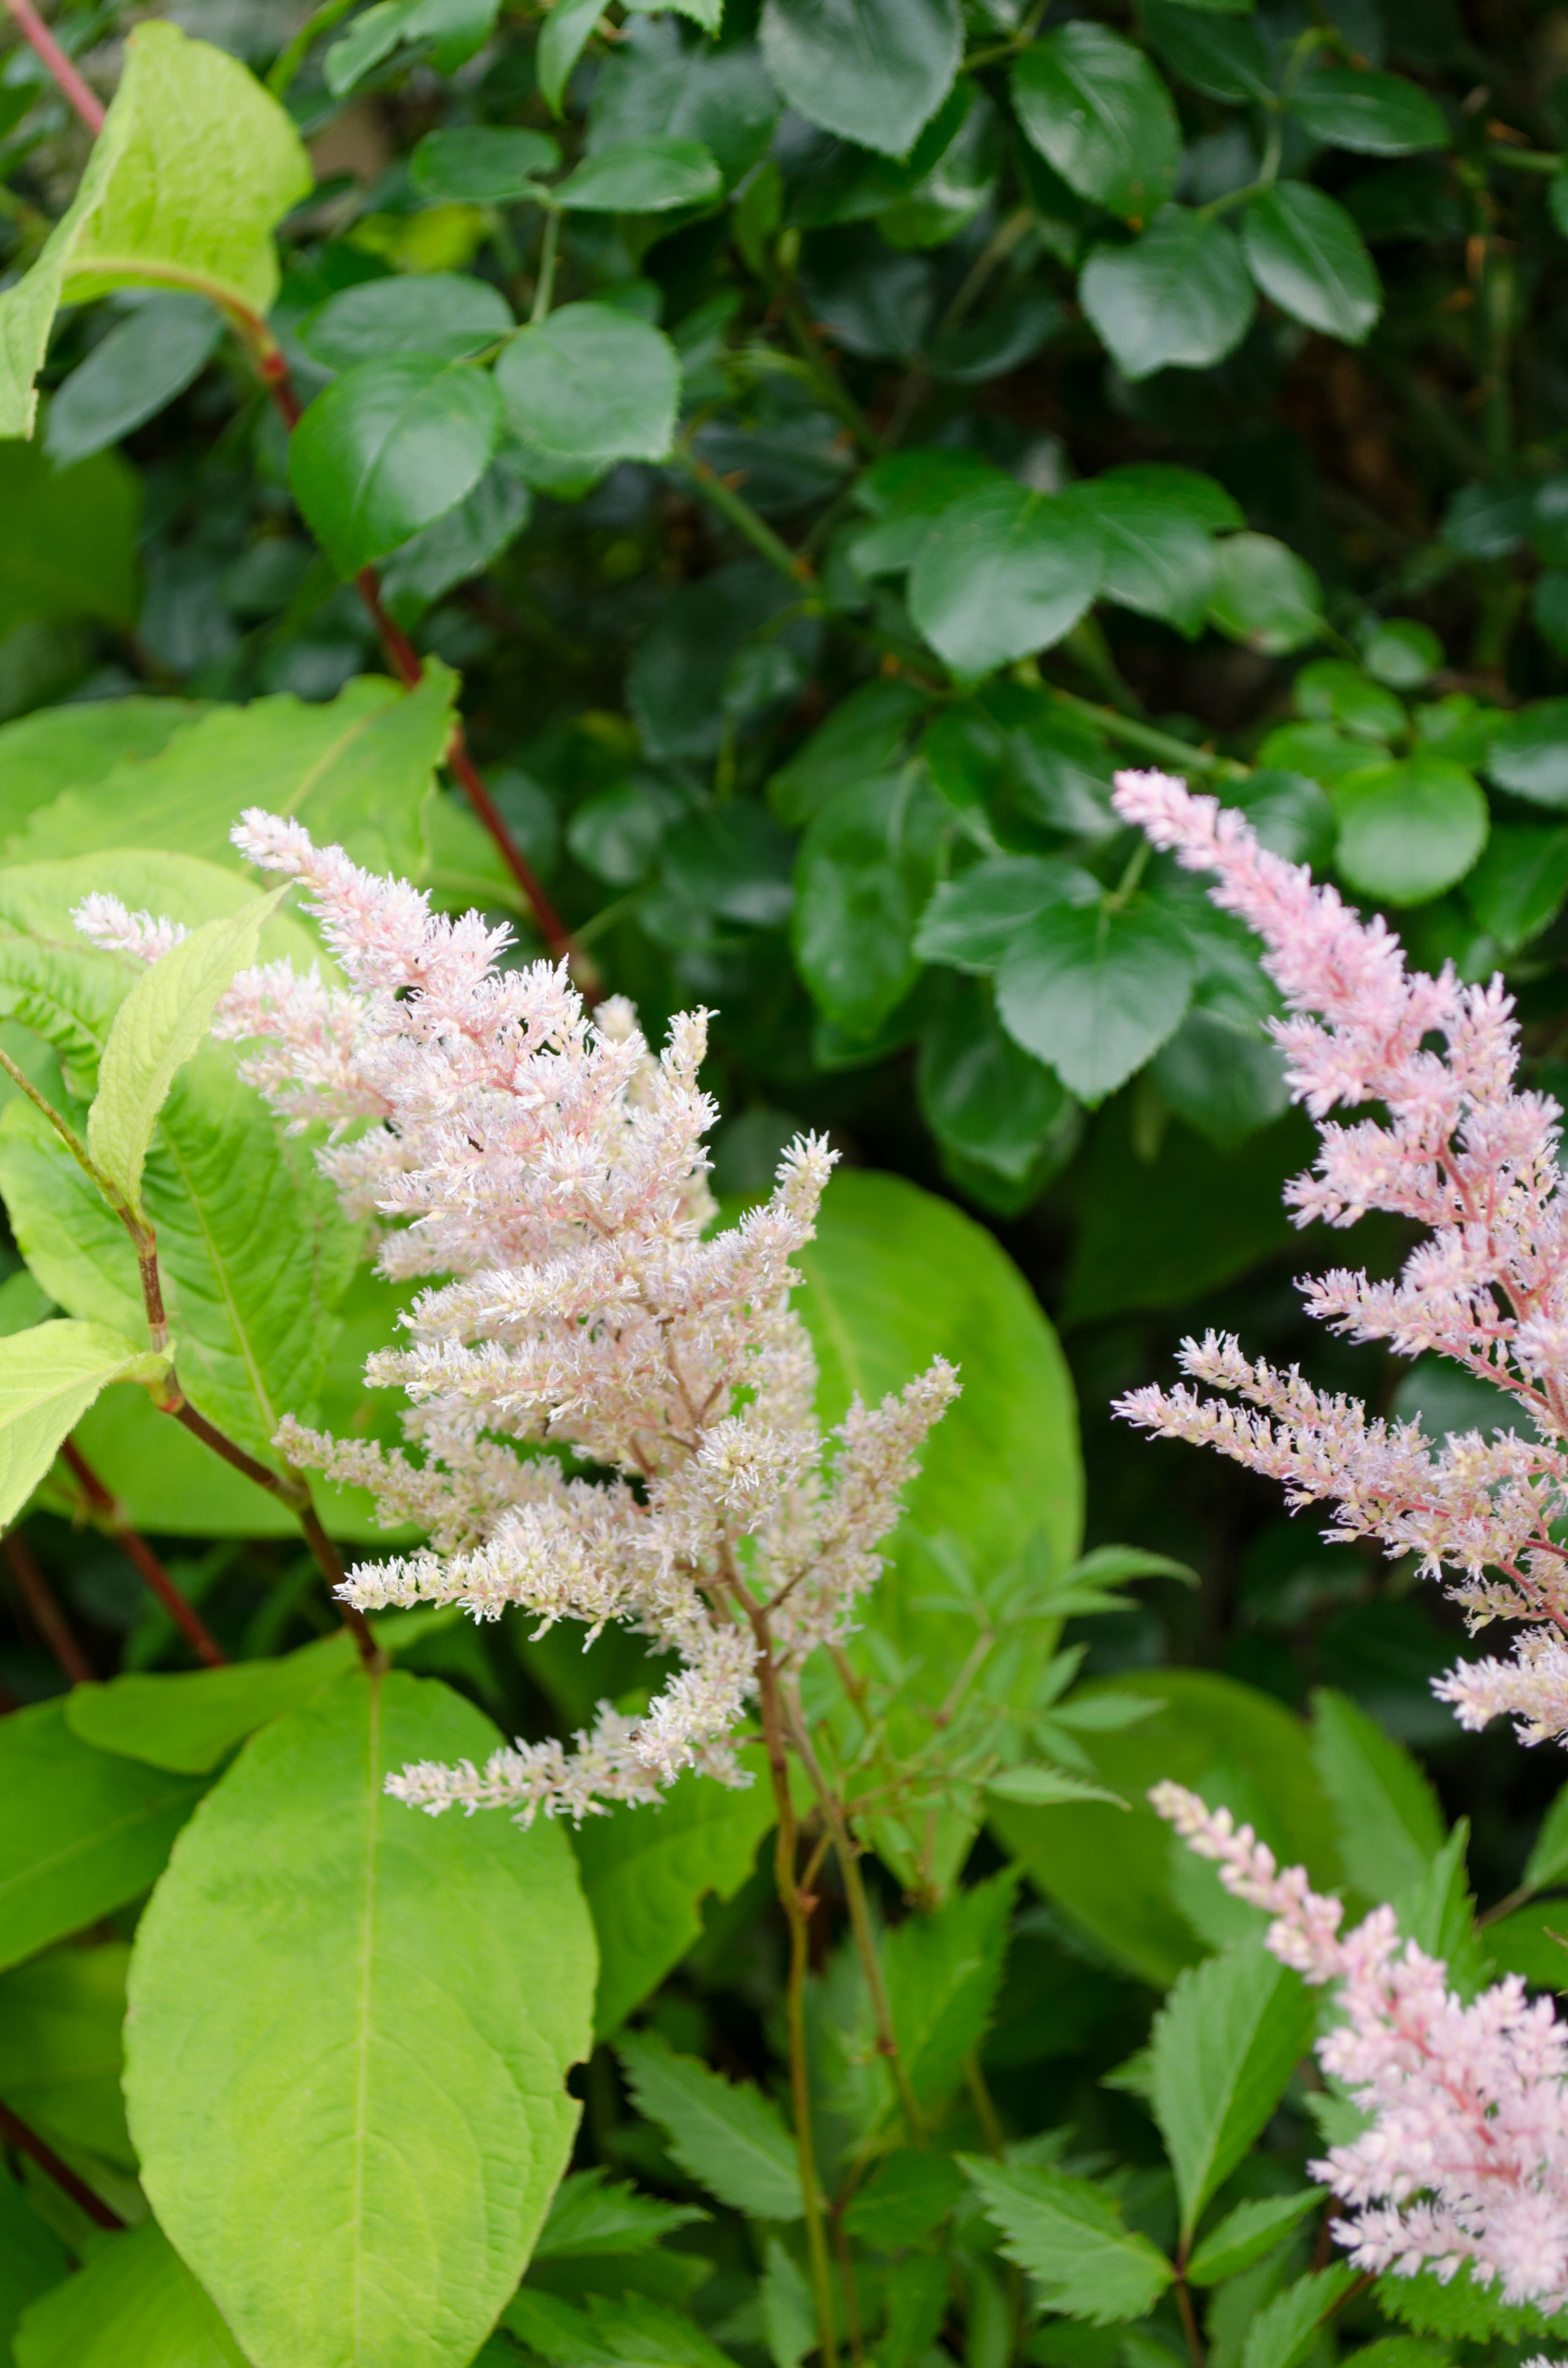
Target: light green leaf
83 1833
1043 1788
1225 2042
355 769
1548 1861
1390 1825
1178 297
69 549
730 2139
789 2317
75 745
646 1872
49 1377
190 1719
1244 2235
59 2047
1284 2332
194 165
158 1029
1070 2238
134 2304
349 2030
872 71
561 44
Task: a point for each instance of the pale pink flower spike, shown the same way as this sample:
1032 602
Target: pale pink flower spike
1473 1158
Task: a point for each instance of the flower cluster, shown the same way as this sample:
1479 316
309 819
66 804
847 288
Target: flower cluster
1471 1157
550 1172
1465 2158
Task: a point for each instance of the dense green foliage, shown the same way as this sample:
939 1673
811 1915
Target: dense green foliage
809 447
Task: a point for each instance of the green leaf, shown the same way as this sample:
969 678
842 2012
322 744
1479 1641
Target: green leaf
629 2330
1093 990
1045 1788
1407 831
1285 2330
1305 252
1390 1825
455 30
789 2315
561 44
60 2048
434 312
73 746
864 872
655 83
1225 2044
1548 1861
904 2196
1246 2234
1518 885
1070 2235
1264 595
1217 56
1531 1942
983 1096
1530 755
972 920
70 544
1159 560
587 2218
483 165
83 1831
1220 1075
389 447
642 176
454 548
32 2258
647 1871
1110 1870
194 165
1460 2307
158 1028
872 71
943 1972
1178 296
355 769
131 375
1101 117
49 1377
1377 114
732 2140
907 493
593 385
190 1719
1004 572
412 1989
134 2304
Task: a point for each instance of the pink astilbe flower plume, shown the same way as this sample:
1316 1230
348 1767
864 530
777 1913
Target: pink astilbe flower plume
1466 1153
1466 2156
548 1172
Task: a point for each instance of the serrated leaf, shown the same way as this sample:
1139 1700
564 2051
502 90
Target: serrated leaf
1285 2330
733 2140
972 920
1225 2042
194 165
943 1972
628 2329
906 2195
1094 991
587 2216
1070 2235
1004 572
305 1950
49 1377
134 2304
1246 2234
158 1029
482 164
871 71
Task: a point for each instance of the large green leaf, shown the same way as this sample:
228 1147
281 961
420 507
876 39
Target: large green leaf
1225 2044
1305 251
190 1719
59 2047
194 165
646 1873
83 1831
356 771
1178 297
873 71
389 448
69 549
591 385
1093 990
731 2138
1409 830
134 2306
75 745
1096 110
349 2030
1111 1870
1070 2235
49 1377
1002 573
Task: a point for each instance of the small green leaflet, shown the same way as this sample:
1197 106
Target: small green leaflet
158 1029
642 176
48 1377
587 2217
1225 2042
1244 2235
872 71
731 2139
1547 1861
1283 2334
629 2329
1041 1788
1070 2238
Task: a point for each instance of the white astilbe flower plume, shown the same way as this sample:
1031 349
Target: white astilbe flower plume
1467 1153
548 1171
1465 2158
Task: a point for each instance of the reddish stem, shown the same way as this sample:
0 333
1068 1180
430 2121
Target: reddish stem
113 1513
15 2132
47 1616
38 37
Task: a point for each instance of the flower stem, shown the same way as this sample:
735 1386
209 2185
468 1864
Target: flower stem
16 2133
69 82
47 1616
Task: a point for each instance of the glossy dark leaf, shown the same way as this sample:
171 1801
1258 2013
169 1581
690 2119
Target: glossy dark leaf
1093 990
1528 757
483 164
1223 56
972 921
1178 296
1408 831
641 176
592 385
864 873
438 313
1379 114
981 1094
873 71
142 364
1100 115
1002 573
1159 560
1304 251
389 447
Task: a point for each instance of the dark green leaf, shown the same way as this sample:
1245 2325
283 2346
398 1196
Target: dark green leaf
1093 990
1225 2044
1408 831
734 861
983 1096
141 366
389 447
730 2139
1070 2235
996 342
1517 887
60 2048
437 312
1004 572
1265 596
134 2304
1390 1827
1548 1861
972 921
908 494
459 545
1289 813
628 2329
69 548
483 164
1285 2331
684 665
654 82
1377 114
906 2195
1222 1075
1100 115
943 1972
593 385
1159 560
865 870
642 176
1246 2233
32 2258
1304 251
1402 653
865 736
1218 55
1530 755
873 71
1178 296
